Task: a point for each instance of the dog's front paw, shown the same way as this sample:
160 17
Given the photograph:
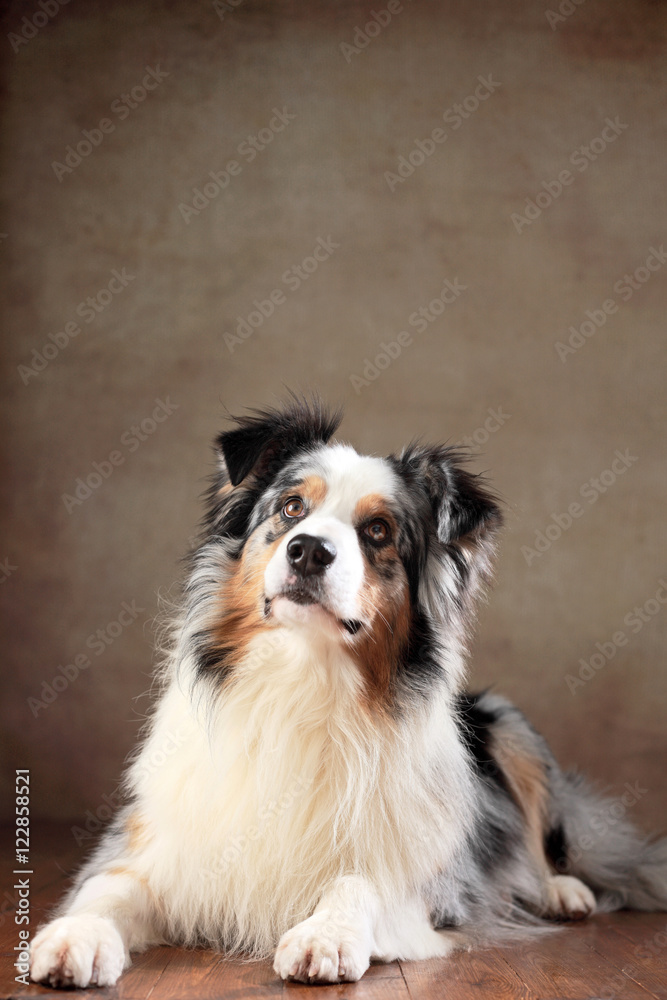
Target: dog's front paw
77 951
567 898
317 951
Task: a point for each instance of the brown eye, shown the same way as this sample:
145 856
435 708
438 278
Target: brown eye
293 508
377 531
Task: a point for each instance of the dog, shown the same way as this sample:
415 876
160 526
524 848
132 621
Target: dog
315 783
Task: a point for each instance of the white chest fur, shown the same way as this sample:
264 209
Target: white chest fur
288 780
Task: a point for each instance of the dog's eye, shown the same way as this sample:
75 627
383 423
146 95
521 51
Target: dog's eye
293 508
377 531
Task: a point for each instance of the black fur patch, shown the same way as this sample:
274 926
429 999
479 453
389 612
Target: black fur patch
263 442
229 516
461 502
475 725
420 665
211 658
555 848
493 845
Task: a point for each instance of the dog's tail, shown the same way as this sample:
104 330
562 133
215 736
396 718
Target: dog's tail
603 848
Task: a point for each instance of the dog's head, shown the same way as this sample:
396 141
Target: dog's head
378 555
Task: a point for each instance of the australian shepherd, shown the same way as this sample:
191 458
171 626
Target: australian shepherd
315 782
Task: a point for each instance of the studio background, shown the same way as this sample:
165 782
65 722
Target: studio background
340 103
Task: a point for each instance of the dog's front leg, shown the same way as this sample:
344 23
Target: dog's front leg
336 942
89 945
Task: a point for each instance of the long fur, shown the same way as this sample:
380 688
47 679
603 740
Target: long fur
281 762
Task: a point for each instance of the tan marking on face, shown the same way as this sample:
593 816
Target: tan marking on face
312 488
386 602
527 779
241 615
379 647
371 506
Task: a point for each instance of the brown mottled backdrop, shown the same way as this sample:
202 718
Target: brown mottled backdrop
514 151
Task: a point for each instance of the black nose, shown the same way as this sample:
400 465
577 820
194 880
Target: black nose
309 555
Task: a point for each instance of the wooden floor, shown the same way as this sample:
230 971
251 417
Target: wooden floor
622 956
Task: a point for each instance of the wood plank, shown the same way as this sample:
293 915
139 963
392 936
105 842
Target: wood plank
368 988
167 973
207 975
620 952
11 990
641 928
42 903
481 974
580 962
136 984
384 970
563 966
638 946
208 972
58 856
144 974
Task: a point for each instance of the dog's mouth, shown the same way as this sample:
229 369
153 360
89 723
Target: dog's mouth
301 596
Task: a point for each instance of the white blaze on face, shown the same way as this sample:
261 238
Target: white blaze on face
349 477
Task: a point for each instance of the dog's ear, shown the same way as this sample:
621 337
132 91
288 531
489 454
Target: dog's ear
263 441
461 503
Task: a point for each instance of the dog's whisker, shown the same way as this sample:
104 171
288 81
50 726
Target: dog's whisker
377 611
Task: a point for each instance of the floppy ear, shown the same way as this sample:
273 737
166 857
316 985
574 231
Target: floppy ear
262 442
462 504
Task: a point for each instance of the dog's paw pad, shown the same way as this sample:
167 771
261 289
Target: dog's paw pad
77 951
